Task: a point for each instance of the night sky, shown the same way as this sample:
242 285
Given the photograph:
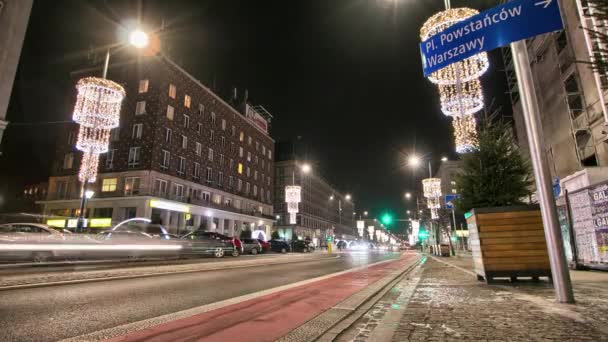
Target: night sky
345 75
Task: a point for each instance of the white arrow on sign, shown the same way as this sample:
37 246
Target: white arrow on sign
544 2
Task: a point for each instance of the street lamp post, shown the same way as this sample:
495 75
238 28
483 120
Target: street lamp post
97 110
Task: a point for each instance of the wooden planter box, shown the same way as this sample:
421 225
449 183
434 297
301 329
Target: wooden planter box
508 242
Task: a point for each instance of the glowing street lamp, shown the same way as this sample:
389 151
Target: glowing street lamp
347 197
444 159
408 195
139 39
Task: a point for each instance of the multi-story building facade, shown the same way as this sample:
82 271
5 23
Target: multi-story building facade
569 99
447 173
324 211
182 156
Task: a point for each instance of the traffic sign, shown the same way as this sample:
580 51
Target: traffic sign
488 30
449 200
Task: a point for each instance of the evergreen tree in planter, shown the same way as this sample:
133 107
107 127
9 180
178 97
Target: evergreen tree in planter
495 174
275 235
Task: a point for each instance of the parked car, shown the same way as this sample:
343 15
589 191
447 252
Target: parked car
279 246
252 246
210 243
301 246
265 245
148 244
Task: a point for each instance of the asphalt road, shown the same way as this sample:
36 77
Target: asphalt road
58 312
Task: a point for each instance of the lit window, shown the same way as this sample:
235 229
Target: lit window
140 108
454 191
143 86
240 169
242 137
172 91
68 161
187 101
453 182
109 184
170 112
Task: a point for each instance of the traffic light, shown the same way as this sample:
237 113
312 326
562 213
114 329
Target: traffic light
387 219
423 235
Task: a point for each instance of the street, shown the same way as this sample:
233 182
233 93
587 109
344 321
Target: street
59 312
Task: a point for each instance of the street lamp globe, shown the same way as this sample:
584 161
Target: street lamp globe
139 39
408 195
331 198
444 159
347 197
414 160
89 194
365 213
306 168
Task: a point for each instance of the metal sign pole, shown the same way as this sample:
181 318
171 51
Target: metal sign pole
531 113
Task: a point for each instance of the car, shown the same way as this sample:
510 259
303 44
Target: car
36 236
301 246
252 246
265 245
137 244
279 246
210 243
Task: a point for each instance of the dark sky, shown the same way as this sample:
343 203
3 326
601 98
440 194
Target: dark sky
343 74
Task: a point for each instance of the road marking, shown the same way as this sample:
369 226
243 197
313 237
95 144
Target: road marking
147 323
155 274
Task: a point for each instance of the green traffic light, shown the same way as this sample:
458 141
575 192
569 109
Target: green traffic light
387 219
423 235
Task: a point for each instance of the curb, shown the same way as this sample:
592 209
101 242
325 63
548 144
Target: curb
328 325
155 274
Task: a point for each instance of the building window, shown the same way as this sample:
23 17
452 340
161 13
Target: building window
196 172
114 134
199 149
242 137
132 186
143 86
62 190
209 175
255 175
262 163
71 138
263 150
223 142
453 182
249 157
179 192
206 196
247 187
211 135
109 184
232 147
230 182
172 91
561 42
268 181
210 155
137 131
240 169
165 160
257 146
239 185
199 128
255 160
220 178
186 121
248 172
223 124
268 196
140 108
255 190
168 135
240 152
201 109
110 159
249 140
134 156
181 167
184 142
68 161
233 131
187 101
213 118
231 163
160 187
454 191
170 112
222 160
574 98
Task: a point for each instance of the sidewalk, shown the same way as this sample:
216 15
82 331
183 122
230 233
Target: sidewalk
439 302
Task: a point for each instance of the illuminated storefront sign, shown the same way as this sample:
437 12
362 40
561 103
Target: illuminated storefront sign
169 206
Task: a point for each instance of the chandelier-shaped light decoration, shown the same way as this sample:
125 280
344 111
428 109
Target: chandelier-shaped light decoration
97 110
460 90
370 230
431 187
293 196
434 213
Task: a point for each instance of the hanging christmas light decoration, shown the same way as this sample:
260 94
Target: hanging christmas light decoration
293 196
432 192
97 110
460 90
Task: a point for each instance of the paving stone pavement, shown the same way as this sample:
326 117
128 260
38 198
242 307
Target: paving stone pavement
449 304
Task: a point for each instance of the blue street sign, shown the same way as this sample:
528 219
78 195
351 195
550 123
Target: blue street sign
449 200
488 30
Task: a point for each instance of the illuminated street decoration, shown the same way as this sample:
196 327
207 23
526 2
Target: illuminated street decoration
293 196
432 192
97 110
460 90
370 230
